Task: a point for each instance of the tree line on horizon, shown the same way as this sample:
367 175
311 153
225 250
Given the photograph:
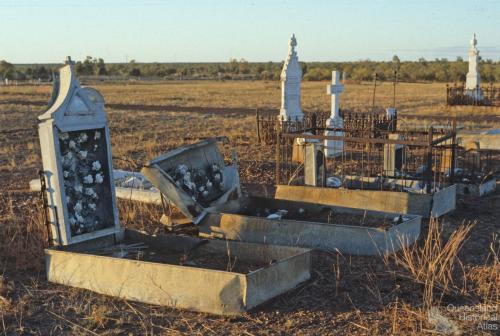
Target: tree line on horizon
437 70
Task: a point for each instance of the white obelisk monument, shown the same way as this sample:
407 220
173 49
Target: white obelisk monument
473 77
334 148
291 75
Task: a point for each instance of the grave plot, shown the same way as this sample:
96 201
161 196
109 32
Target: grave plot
397 171
471 92
268 124
212 276
477 170
91 250
183 175
291 118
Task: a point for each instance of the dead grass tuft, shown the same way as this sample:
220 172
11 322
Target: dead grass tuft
27 234
433 263
485 279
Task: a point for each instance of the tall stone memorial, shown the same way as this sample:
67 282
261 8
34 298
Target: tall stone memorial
473 80
76 155
334 148
291 76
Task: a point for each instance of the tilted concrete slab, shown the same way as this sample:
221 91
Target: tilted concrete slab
347 239
193 288
199 157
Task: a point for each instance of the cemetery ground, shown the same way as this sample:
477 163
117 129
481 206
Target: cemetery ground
347 295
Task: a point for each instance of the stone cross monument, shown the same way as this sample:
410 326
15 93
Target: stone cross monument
473 77
334 147
291 75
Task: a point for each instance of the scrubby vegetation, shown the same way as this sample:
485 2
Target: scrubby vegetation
440 70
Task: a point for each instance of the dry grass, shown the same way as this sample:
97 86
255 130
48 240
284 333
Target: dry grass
346 295
484 279
433 263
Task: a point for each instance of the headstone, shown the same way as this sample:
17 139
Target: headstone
393 156
313 163
473 77
76 155
334 148
291 75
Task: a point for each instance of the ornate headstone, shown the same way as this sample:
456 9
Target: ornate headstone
473 77
291 75
334 148
76 154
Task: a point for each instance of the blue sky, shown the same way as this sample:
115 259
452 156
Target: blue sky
45 31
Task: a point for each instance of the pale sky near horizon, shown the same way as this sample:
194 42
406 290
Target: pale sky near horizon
46 31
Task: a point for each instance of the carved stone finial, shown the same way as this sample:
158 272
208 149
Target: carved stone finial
473 42
69 60
293 41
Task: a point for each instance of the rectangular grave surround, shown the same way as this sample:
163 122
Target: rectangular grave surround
425 205
331 228
221 286
238 218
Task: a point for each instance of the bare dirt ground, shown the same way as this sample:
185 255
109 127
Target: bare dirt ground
347 295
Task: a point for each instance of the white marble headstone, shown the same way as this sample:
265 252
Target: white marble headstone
76 155
334 148
291 76
473 77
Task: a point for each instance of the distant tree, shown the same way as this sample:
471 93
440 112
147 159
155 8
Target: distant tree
41 72
101 68
243 67
396 62
170 71
303 66
233 66
6 69
135 72
317 74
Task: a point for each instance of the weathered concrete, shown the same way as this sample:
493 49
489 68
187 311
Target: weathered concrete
77 163
347 239
151 195
204 290
424 205
139 195
477 190
197 156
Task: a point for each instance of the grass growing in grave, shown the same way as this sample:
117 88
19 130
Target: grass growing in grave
366 294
